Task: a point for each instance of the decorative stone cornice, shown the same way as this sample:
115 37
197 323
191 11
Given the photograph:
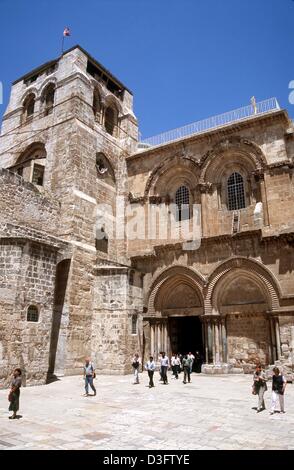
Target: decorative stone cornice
136 199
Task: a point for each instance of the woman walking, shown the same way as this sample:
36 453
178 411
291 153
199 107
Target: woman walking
259 386
15 393
136 365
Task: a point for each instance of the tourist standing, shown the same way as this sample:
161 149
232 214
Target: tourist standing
191 358
259 386
173 366
278 389
176 366
89 375
136 366
164 364
15 393
197 362
187 369
150 367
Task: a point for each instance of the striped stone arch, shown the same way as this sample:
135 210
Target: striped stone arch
243 147
160 169
29 91
255 270
174 276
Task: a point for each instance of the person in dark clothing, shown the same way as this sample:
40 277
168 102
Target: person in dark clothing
15 393
187 369
259 386
278 388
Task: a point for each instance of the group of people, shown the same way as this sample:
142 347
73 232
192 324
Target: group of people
178 363
259 388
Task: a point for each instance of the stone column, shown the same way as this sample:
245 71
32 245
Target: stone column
206 341
292 343
270 347
264 200
213 342
278 340
221 355
203 192
165 345
216 333
152 346
224 339
210 341
158 338
273 339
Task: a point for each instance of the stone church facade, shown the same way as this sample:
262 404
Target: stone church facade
80 272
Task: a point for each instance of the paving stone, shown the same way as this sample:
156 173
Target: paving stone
115 420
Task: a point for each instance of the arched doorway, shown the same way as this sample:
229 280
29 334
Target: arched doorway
177 303
242 302
57 340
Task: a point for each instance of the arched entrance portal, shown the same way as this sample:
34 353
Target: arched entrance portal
241 306
176 326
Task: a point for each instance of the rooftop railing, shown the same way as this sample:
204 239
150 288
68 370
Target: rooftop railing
213 122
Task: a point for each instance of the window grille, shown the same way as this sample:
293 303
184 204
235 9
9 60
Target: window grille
236 193
182 203
32 313
38 174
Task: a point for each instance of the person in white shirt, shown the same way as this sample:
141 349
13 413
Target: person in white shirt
175 363
164 364
191 359
150 367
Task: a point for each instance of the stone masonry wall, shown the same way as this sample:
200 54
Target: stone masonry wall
27 276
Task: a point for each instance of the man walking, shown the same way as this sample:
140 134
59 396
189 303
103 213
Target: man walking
186 368
278 389
89 375
175 363
150 367
164 364
136 365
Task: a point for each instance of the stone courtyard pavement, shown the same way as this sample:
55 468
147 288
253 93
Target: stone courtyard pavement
209 413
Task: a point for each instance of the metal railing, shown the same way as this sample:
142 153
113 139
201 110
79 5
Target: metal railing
213 122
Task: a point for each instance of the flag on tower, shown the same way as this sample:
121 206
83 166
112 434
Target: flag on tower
66 32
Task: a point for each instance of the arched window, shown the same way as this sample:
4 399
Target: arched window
104 169
182 202
134 324
96 106
236 193
30 165
110 120
29 106
32 313
132 277
48 98
101 241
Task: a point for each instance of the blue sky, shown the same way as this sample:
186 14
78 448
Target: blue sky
184 60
